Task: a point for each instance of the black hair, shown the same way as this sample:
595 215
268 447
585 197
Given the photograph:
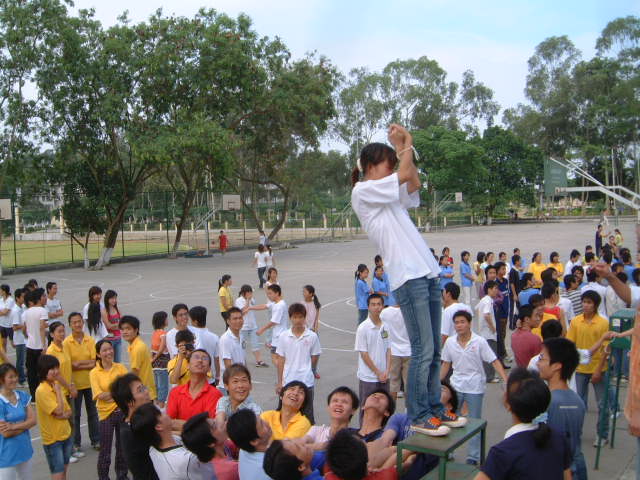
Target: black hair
373 154
391 403
533 258
46 363
244 289
54 325
515 259
347 455
525 311
270 270
463 313
235 369
488 255
177 307
577 268
198 316
234 310
525 279
374 296
291 384
607 255
35 295
94 290
18 292
279 464
223 279
499 265
463 253
563 351
574 253
120 390
311 289
622 277
275 288
202 350
99 344
480 256
377 259
501 254
6 368
5 288
547 274
552 255
33 282
260 246
197 437
446 249
159 320
132 321
49 286
592 276
589 256
516 250
454 395
185 335
489 285
108 296
636 276
528 396
536 299
452 289
490 267
297 309
73 314
551 329
569 279
143 425
355 401
359 269
242 430
625 256
94 318
380 267
593 296
548 290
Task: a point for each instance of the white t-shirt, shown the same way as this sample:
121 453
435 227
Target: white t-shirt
262 259
569 266
249 317
297 352
16 319
32 317
602 291
485 306
206 340
171 340
250 466
178 463
375 341
279 316
230 347
614 302
533 366
52 306
399 338
269 259
5 320
468 371
447 327
102 329
381 206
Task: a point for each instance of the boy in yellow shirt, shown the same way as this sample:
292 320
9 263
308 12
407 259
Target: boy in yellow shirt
139 353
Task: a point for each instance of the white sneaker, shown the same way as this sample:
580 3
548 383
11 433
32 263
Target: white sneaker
78 454
73 459
601 441
400 394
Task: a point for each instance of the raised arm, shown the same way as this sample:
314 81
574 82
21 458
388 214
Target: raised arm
401 140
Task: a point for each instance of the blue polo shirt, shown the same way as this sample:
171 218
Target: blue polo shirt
362 294
18 449
383 286
316 465
525 295
628 269
444 281
465 269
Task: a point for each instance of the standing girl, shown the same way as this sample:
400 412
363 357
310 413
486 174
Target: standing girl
160 356
272 277
446 271
479 271
362 292
6 304
92 315
102 376
111 318
260 262
249 326
312 304
223 242
225 298
554 262
271 261
537 267
16 418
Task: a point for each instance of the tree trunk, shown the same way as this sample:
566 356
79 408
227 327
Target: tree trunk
186 207
110 238
285 211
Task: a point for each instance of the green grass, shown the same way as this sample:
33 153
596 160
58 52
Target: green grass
29 253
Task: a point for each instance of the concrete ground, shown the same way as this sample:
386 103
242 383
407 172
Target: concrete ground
146 287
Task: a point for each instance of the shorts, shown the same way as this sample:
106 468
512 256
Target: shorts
398 372
58 454
251 339
6 332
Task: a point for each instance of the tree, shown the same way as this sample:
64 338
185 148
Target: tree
476 104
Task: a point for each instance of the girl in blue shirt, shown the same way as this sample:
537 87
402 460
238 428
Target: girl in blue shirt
446 272
381 286
362 292
16 418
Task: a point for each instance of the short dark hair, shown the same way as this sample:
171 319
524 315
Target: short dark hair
377 259
279 464
185 335
536 299
355 401
490 267
18 292
275 288
143 424
235 369
234 310
463 313
373 296
454 395
46 363
50 285
35 295
577 268
489 285
574 253
297 309
54 325
6 368
591 275
525 311
499 265
120 390
177 307
593 296
551 329
547 274
130 320
588 256
242 430
347 455
548 290
525 279
636 276
202 350
453 289
71 315
291 384
515 259
563 351
569 279
159 320
391 403
463 253
198 315
197 437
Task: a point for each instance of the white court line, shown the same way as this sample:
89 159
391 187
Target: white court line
345 299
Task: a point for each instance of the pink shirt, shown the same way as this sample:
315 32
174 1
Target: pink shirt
525 346
312 313
226 469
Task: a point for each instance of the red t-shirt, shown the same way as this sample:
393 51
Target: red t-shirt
222 239
525 346
181 406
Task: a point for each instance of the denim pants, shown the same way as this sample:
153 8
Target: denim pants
92 417
474 402
579 465
489 371
32 370
362 315
582 385
161 376
116 343
261 271
420 303
21 351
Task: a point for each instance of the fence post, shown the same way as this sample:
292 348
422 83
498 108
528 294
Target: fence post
71 244
244 232
166 219
122 239
304 227
324 220
16 229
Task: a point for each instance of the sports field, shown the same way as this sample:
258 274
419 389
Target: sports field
146 287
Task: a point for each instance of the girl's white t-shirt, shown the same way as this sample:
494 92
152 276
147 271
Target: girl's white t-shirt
249 317
262 259
5 320
312 313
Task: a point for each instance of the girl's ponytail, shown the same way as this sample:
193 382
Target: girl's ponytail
355 176
361 268
225 278
312 291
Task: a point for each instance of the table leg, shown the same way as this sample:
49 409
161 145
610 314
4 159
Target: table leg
442 468
483 443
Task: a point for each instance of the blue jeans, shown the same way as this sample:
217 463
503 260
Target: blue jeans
58 454
21 351
474 402
116 343
92 417
362 315
161 377
419 301
579 466
582 385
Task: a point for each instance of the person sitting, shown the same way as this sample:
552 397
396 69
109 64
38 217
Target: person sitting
252 435
293 459
377 408
237 382
342 403
287 421
205 439
529 450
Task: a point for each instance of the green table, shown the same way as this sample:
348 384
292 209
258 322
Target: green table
443 446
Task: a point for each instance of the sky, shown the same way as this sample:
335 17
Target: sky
492 38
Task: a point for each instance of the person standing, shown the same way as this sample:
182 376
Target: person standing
466 277
536 268
6 304
223 242
450 295
206 340
230 345
160 356
504 309
279 321
446 271
111 319
400 348
225 298
35 321
260 262
362 291
249 325
479 273
19 340
487 324
53 306
600 234
180 313
139 354
526 345
92 315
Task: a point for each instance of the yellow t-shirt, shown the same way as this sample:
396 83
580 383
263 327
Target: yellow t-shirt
86 350
480 275
545 316
1 356
226 293
185 374
537 271
297 427
585 334
140 359
101 380
558 267
52 429
62 354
